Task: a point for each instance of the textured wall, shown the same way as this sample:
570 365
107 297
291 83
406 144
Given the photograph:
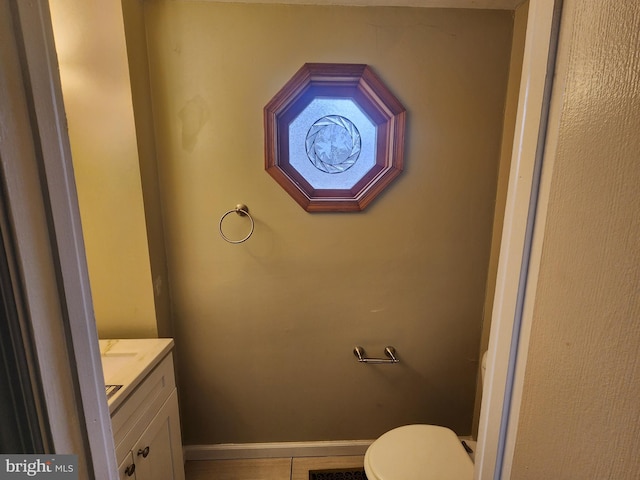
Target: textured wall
580 414
265 330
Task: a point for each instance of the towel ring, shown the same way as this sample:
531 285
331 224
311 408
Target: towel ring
241 210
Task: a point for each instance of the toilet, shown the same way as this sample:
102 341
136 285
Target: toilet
419 452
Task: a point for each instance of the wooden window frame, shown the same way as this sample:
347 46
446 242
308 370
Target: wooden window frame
331 80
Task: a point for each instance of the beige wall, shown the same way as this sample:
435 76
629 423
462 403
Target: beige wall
265 330
580 415
135 33
95 81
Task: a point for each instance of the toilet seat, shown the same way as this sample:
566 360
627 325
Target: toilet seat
418 452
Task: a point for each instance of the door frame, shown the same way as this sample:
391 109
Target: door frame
48 248
505 365
519 257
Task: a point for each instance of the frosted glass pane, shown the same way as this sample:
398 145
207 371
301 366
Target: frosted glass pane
332 143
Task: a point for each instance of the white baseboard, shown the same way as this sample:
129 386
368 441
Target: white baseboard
228 451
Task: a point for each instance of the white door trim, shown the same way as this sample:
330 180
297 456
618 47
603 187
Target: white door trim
42 200
496 433
555 103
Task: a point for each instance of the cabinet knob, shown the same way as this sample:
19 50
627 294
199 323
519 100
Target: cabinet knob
130 469
144 452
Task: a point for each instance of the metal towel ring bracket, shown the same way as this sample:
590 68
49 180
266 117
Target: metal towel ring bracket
242 210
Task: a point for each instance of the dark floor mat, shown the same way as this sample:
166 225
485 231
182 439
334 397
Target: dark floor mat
338 474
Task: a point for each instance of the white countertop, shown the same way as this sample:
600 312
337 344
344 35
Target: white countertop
127 361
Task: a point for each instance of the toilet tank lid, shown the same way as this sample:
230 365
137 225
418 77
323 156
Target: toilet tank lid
426 452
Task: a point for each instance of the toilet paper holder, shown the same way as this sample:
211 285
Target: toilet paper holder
389 351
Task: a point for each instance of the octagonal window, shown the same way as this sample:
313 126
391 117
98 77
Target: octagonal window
334 137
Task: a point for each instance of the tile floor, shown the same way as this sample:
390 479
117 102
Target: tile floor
296 468
266 468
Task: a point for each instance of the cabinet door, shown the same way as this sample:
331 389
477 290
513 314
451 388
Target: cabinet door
127 468
158 452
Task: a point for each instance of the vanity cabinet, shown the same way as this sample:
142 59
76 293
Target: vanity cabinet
146 428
